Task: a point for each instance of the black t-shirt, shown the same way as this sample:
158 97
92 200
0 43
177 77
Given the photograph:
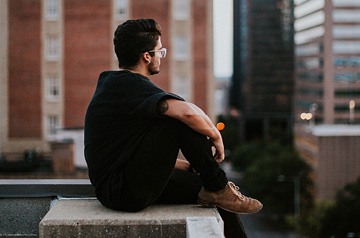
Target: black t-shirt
121 111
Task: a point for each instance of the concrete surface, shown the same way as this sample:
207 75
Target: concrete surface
20 217
203 227
88 218
26 188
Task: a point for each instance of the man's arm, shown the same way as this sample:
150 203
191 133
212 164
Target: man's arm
194 117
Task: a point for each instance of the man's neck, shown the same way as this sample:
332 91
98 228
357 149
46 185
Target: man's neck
140 69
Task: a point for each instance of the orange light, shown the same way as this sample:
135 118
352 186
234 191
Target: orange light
220 126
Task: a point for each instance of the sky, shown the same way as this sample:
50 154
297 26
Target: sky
223 37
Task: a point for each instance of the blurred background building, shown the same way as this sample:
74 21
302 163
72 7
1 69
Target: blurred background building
327 48
297 69
53 51
327 91
262 83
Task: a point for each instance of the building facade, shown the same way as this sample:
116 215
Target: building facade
331 151
53 51
327 91
262 84
327 39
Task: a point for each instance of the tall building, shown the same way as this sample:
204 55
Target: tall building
52 52
327 39
262 84
327 91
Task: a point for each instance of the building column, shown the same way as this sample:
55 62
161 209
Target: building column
328 98
3 74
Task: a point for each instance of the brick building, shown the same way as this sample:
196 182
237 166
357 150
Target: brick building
53 50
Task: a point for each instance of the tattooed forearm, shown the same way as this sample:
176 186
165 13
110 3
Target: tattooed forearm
162 107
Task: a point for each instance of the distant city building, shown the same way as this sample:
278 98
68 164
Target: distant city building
327 39
262 84
52 52
221 95
327 91
332 153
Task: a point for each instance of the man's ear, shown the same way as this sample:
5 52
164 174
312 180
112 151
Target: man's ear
147 57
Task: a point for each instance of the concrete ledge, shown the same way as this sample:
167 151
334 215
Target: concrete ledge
88 218
45 188
203 227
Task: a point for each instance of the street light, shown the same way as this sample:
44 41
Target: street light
351 111
312 109
306 116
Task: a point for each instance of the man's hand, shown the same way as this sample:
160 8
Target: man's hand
219 154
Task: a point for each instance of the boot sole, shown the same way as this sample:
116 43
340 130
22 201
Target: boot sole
205 204
209 205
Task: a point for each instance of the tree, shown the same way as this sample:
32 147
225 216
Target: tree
245 155
261 178
343 218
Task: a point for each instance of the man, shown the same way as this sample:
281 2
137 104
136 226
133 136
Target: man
134 130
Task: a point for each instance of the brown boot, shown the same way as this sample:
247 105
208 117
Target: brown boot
230 199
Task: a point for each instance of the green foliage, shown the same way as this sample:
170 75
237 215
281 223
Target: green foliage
344 217
309 223
336 218
245 155
264 164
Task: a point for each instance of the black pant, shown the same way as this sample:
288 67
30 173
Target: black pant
148 177
183 188
140 182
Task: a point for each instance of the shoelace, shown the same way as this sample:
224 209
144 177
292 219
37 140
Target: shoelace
236 190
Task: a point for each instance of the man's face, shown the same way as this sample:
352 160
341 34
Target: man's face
154 65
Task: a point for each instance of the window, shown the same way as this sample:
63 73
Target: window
311 91
308 7
347 61
181 86
52 47
346 47
308 49
346 15
121 7
343 108
346 3
53 123
310 21
310 63
348 32
181 47
347 77
181 9
311 76
52 9
309 35
347 93
52 87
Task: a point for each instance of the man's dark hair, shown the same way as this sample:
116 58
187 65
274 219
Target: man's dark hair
133 38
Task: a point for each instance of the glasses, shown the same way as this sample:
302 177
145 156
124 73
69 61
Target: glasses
162 52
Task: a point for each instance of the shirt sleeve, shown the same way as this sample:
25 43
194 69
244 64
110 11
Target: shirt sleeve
148 108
